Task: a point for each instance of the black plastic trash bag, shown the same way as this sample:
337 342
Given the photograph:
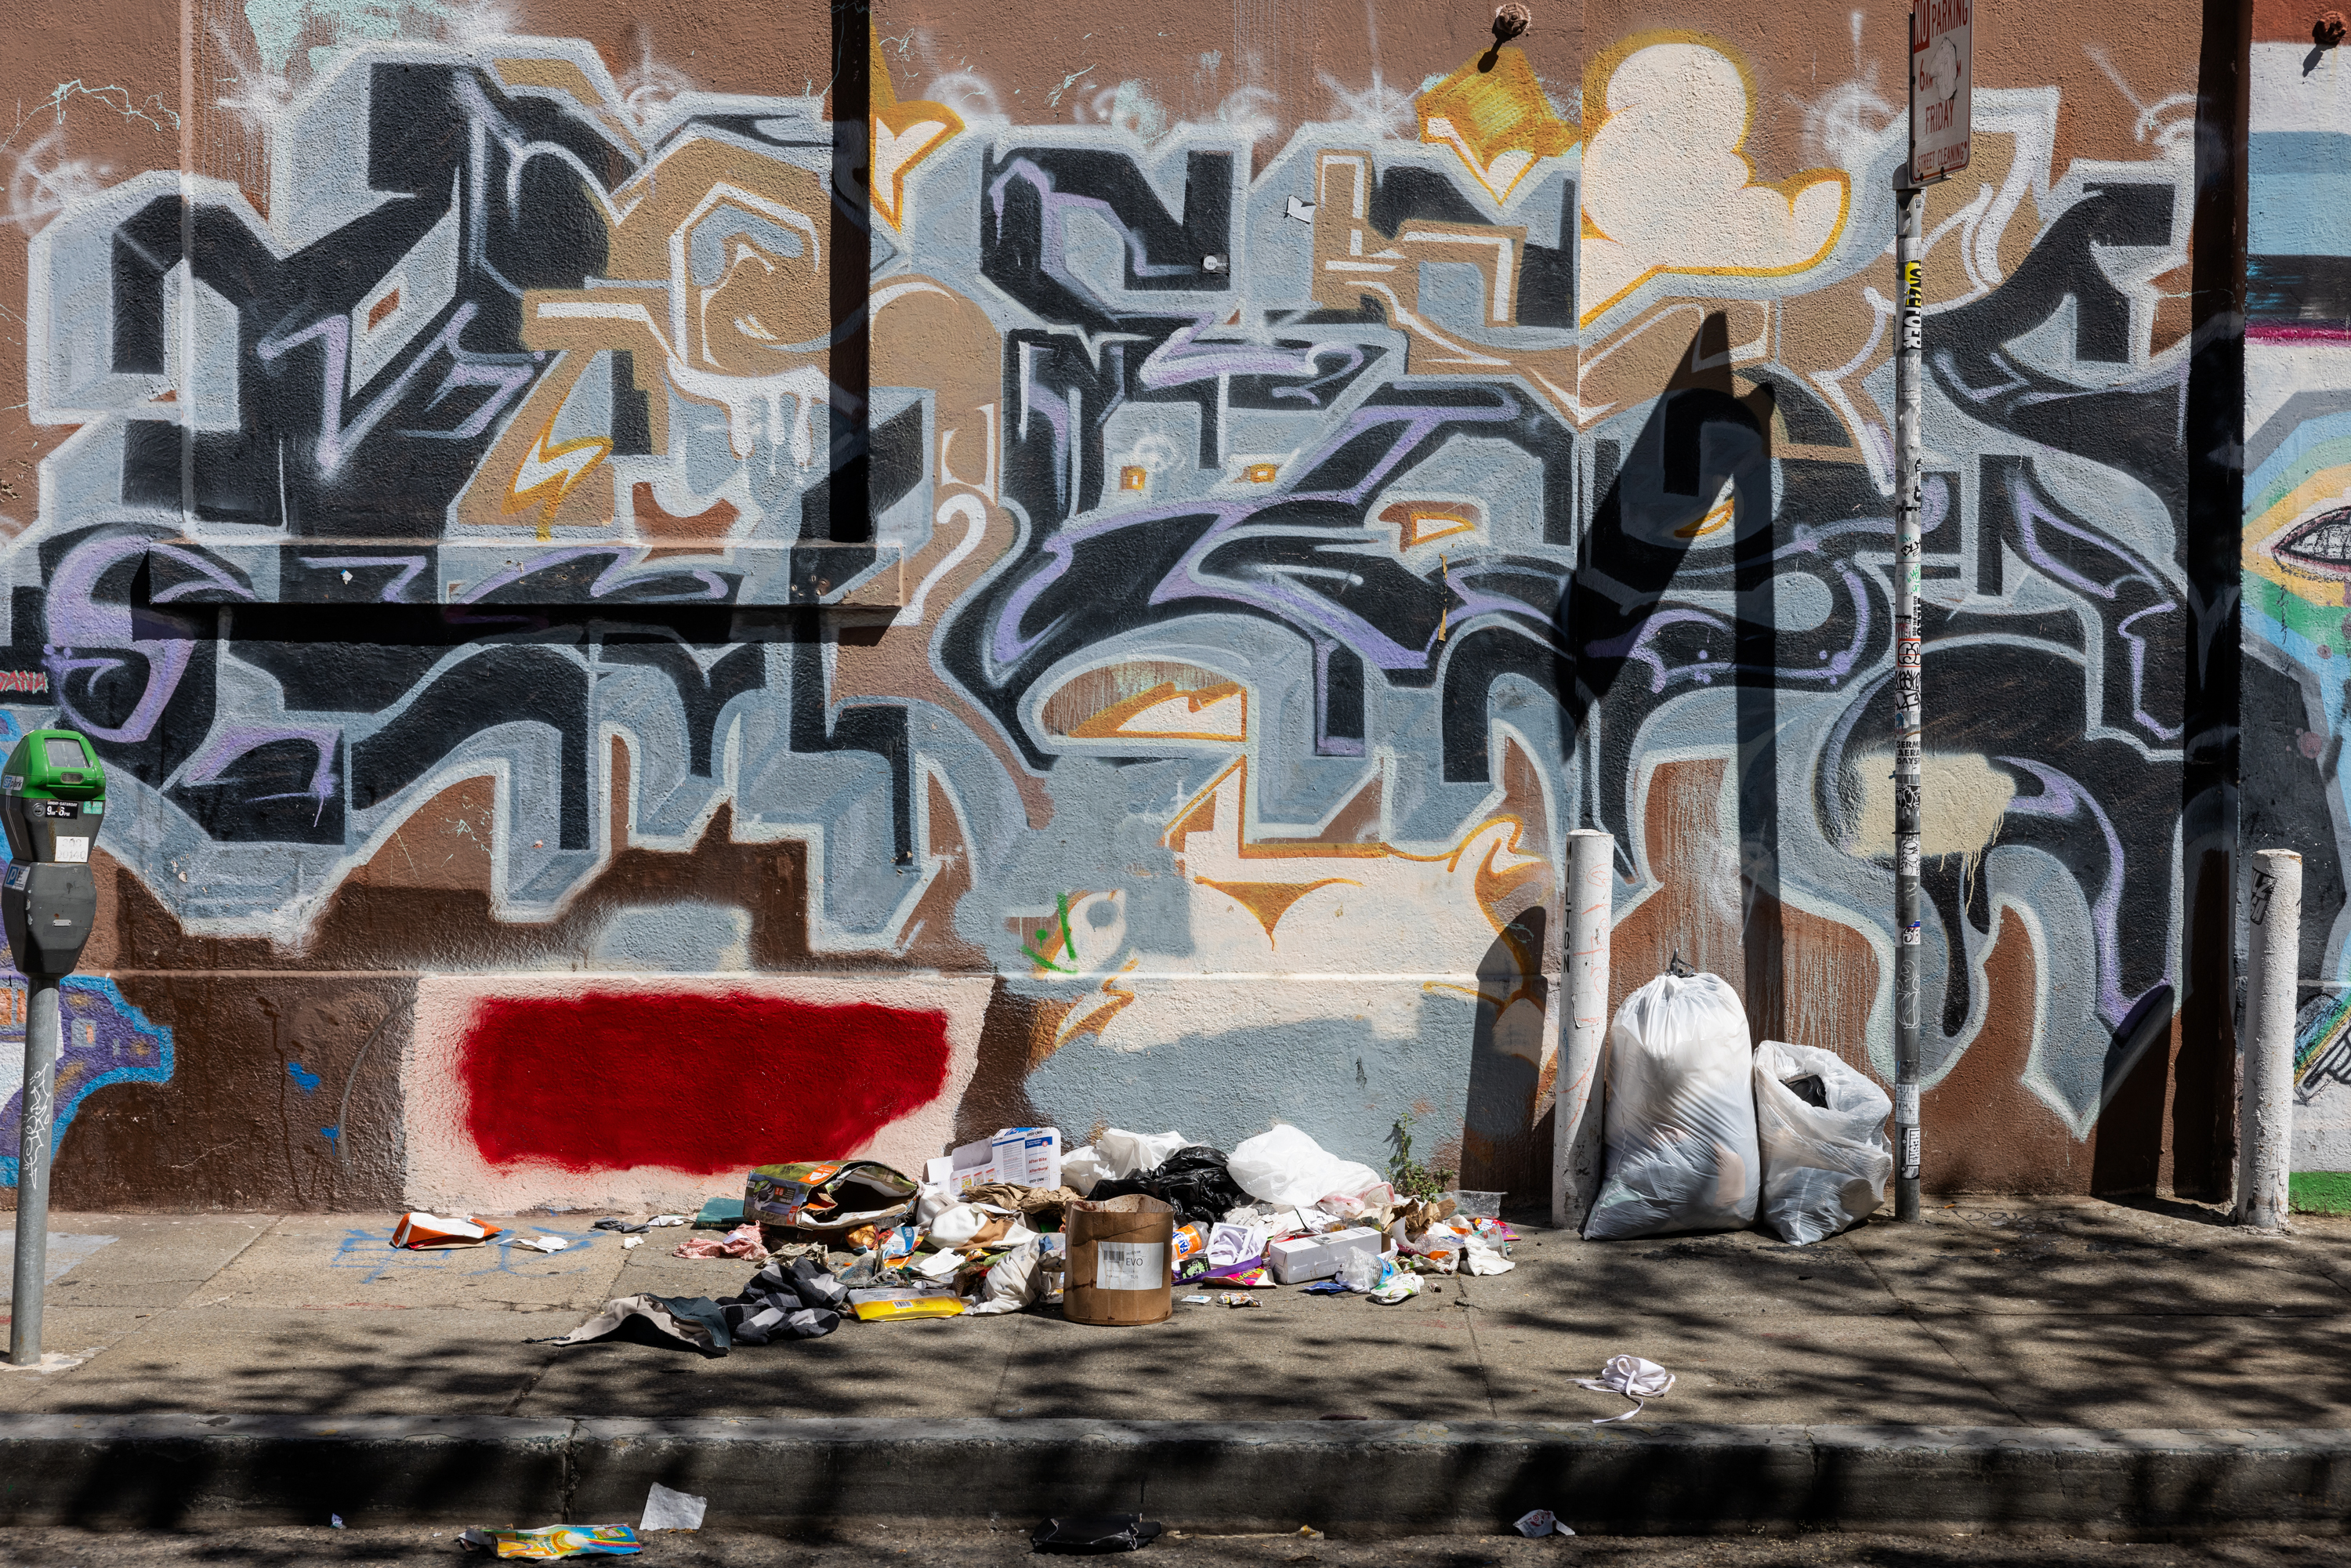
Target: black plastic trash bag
1096 1533
1192 1181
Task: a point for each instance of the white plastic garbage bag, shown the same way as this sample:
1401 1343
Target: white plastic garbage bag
1822 1124
1121 1154
1286 1168
1082 1170
1012 1283
1680 1124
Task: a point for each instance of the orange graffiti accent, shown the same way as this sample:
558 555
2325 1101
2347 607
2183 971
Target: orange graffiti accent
382 308
1495 885
556 469
1261 473
1088 1015
1500 121
1111 723
1270 901
1716 519
1420 522
695 534
1133 478
904 135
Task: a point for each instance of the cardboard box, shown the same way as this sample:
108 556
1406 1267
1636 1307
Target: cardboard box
1025 1157
974 1164
1028 1156
1120 1272
1305 1258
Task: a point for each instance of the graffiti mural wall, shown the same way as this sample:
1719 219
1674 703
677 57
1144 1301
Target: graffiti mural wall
655 604
2297 527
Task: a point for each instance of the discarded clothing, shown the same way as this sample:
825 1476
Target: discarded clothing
796 1301
694 1322
741 1242
1637 1380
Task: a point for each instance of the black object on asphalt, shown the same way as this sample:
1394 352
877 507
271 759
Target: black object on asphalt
1096 1533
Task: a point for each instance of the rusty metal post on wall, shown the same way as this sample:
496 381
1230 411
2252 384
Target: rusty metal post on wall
2265 1102
1577 1095
33 1172
1910 207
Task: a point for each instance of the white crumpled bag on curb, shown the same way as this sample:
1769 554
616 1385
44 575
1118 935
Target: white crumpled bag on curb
1825 1167
1012 1284
1680 1126
1288 1169
1119 1153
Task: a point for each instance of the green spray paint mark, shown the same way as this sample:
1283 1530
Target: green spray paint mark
1045 934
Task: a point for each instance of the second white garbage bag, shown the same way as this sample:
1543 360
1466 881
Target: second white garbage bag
1681 1123
1823 1126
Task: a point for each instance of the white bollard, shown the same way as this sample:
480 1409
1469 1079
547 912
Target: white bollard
2265 1102
1577 1101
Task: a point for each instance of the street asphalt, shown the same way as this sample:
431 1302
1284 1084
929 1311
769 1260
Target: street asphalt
871 1543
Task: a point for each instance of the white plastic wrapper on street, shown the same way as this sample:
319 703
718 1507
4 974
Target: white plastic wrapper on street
1681 1113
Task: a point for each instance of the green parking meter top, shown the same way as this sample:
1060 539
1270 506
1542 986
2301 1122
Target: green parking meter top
54 765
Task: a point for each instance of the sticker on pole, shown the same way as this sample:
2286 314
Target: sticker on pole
1942 87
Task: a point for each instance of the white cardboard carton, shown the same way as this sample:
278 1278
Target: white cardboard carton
1303 1259
1028 1156
1025 1157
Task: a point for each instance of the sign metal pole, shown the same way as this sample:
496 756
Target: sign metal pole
1942 71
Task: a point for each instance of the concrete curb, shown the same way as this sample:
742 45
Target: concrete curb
1356 1478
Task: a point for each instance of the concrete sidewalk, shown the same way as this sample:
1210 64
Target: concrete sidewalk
2084 1367
2028 1315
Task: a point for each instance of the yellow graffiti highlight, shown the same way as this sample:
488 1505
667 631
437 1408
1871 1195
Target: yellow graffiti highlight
548 473
904 135
1500 121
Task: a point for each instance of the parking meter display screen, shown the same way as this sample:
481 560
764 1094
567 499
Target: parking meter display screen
64 753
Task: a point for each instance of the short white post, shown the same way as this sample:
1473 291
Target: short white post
1577 1099
2265 1102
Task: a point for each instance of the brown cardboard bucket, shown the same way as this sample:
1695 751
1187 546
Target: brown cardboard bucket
1121 1265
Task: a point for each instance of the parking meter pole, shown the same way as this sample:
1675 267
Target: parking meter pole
52 803
1908 363
33 1172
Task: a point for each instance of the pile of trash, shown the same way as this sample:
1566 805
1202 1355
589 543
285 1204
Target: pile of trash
1706 1131
1108 1233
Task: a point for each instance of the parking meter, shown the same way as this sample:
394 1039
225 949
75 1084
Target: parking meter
52 796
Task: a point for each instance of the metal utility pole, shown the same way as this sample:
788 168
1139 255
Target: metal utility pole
1908 363
1942 73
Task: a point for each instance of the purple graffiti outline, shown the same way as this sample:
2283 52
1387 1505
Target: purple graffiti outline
78 618
235 740
609 581
410 565
2030 516
1008 648
2062 795
333 334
